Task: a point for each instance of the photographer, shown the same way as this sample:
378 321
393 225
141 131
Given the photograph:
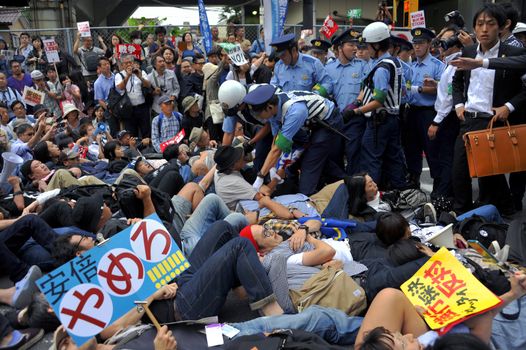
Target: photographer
131 81
383 14
164 82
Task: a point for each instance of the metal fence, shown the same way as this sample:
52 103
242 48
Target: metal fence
65 37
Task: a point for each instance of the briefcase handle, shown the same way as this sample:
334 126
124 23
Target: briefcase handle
491 135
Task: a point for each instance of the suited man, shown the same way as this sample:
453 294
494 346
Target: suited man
478 96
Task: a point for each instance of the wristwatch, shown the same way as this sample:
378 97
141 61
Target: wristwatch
304 227
420 89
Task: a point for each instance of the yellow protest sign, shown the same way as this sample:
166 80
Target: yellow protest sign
447 291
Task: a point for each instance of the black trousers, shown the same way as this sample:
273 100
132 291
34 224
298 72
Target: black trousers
492 189
139 121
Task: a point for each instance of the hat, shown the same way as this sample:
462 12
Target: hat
401 42
283 43
87 212
195 134
37 75
348 36
361 43
39 108
226 156
122 133
164 99
188 102
18 122
72 154
259 95
421 34
68 108
247 233
519 28
208 70
320 45
59 335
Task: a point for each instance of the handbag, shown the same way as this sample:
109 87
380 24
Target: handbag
119 105
495 151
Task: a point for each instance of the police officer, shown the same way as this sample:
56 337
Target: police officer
347 73
382 90
296 71
363 53
320 49
426 72
294 119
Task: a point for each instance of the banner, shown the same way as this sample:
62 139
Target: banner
204 27
237 55
129 49
275 14
51 49
32 96
84 29
96 288
329 27
447 292
176 139
418 19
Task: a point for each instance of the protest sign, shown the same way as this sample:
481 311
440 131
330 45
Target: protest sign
329 27
96 288
84 29
418 19
354 13
237 56
51 48
7 55
129 49
176 139
32 96
447 292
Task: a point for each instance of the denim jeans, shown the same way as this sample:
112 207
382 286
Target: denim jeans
220 262
13 238
331 324
211 209
488 212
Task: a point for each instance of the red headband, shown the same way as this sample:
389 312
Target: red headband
247 233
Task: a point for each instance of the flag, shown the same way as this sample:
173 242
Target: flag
176 139
204 27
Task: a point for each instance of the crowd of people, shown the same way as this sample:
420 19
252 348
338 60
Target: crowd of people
266 171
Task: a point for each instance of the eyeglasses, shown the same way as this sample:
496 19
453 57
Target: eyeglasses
268 231
30 134
78 243
199 63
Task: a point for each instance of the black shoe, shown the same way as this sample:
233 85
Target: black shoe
30 337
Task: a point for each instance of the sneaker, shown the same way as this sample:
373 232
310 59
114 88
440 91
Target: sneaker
430 214
30 337
26 287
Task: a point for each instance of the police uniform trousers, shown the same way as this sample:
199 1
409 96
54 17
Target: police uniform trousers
381 149
354 130
492 189
416 141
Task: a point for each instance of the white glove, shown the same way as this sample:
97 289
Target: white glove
258 183
274 175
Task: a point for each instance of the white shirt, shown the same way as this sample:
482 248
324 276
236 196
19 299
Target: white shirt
444 101
481 84
133 87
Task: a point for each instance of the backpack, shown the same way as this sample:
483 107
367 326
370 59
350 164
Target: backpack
479 229
119 105
331 288
90 60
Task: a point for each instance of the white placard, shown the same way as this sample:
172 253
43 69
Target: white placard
237 56
32 96
214 336
51 48
84 29
418 19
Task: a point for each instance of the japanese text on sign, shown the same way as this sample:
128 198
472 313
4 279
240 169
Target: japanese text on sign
84 29
447 291
237 56
129 49
329 27
51 48
93 290
176 139
418 19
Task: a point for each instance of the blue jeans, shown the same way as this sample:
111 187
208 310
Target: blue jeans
221 261
211 209
488 212
331 324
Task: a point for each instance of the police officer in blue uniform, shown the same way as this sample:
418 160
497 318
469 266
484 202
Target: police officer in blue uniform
347 74
426 72
382 92
295 118
296 71
320 49
363 54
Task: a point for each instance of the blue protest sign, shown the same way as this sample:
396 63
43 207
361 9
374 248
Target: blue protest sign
96 288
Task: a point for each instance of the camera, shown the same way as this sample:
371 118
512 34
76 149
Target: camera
454 18
136 71
101 127
448 43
